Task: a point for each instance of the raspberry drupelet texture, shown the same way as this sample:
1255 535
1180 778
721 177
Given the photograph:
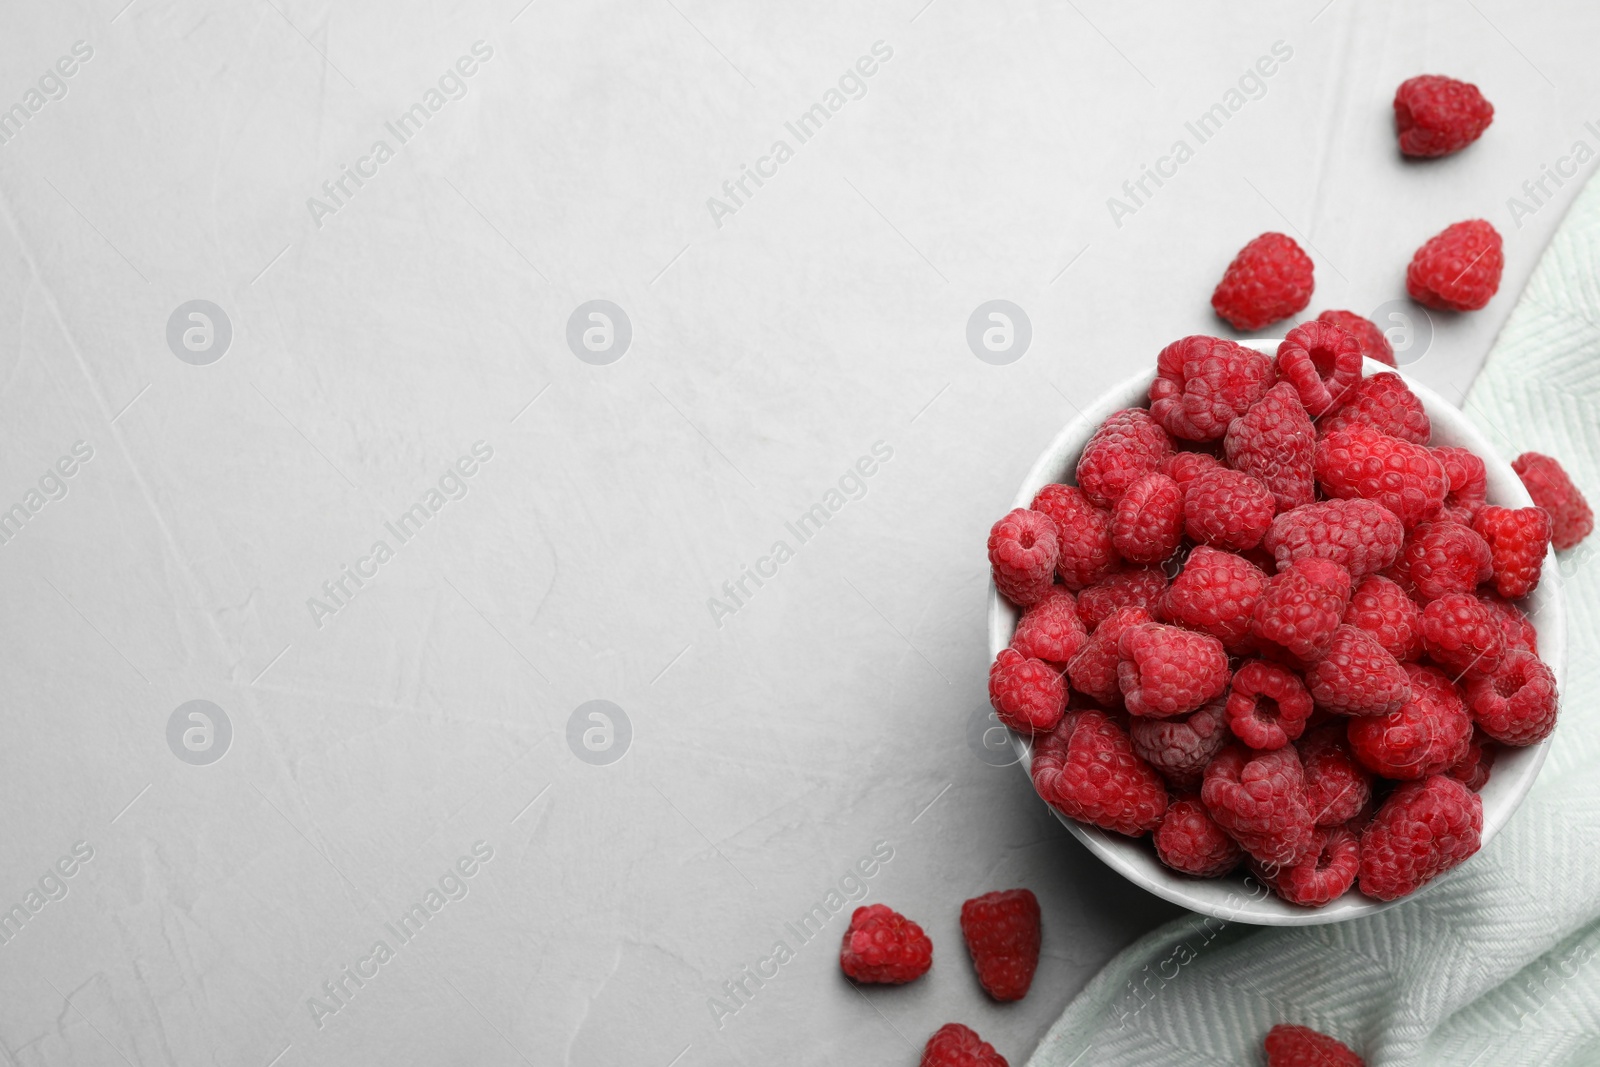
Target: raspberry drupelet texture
1322 362
1083 535
1460 635
1469 484
882 946
954 1045
1426 735
1571 519
1473 769
1126 447
1357 676
1387 612
1422 830
1387 404
1328 870
1301 1046
1086 769
1022 556
1374 344
1259 798
1518 539
1275 442
1445 557
1216 593
1458 269
1094 672
1051 630
1435 115
1517 704
1337 786
1267 705
1359 461
1204 383
1135 587
1363 536
1002 934
1147 522
1167 670
1028 694
1185 467
1227 509
1270 279
1180 747
1513 623
1302 607
1189 840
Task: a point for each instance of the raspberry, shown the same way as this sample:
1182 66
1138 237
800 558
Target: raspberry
1445 557
1327 871
1469 484
1051 630
1513 623
1518 539
1127 446
1086 769
1302 606
1473 769
1185 467
1423 829
1002 934
1428 734
1268 705
1134 587
1094 671
1363 536
1227 509
1028 694
1166 670
1275 442
1204 383
1179 748
1022 556
1435 115
1387 612
1547 482
1357 676
1189 840
1374 343
1359 461
1147 522
1457 269
1461 636
1322 362
1337 787
1517 704
885 947
1216 592
1386 403
954 1045
1259 798
1270 279
1083 535
1301 1046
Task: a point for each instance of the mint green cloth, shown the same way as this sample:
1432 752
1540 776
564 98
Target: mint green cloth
1499 964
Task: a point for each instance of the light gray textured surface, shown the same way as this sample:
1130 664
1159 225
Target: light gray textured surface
770 753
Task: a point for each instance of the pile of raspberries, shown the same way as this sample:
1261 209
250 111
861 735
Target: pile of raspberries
1271 625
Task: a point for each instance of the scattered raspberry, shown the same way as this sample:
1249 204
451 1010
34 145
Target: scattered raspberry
885 947
1513 623
1270 279
1022 555
1002 934
1337 787
1322 362
1357 676
1423 829
1051 631
1374 344
1179 748
1469 484
1435 115
1518 539
1259 798
1547 482
1275 442
1428 734
1326 872
1166 670
1086 769
1135 587
1359 461
1147 522
1189 840
1445 557
1459 268
1517 704
1473 769
1216 592
1094 672
1460 635
1204 383
1301 1046
1185 467
1227 509
1387 612
954 1045
1362 535
1127 446
1028 694
1386 403
1302 606
1268 705
1083 535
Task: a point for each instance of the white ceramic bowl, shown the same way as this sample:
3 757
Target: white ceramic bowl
1234 898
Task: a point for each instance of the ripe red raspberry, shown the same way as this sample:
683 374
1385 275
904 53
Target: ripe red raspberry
1513 623
1189 840
1051 630
1179 748
1086 770
1185 467
1517 704
1127 446
1473 769
1260 799
1083 535
1461 636
1028 694
1469 484
1357 676
1387 612
1302 606
1166 670
1135 587
1363 536
1428 734
1445 557
1359 461
1227 509
1022 556
1270 279
1435 115
1275 442
1002 934
1337 787
1147 521
1326 872
954 1045
1094 671
1518 539
1268 705
885 947
1204 383
1423 829
1300 1046
1458 269
1322 362
1216 592
1386 403
1374 343
1547 482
